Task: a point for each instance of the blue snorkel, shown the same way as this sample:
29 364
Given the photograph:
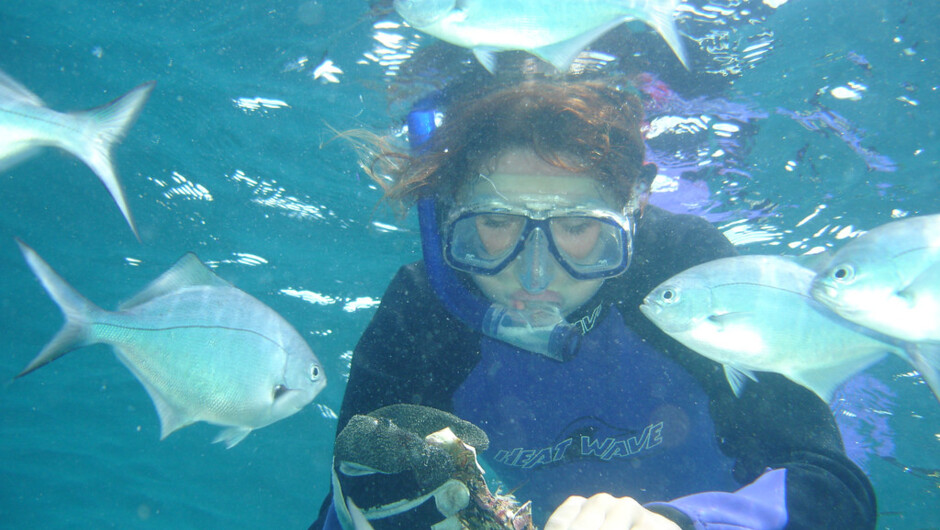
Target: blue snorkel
543 332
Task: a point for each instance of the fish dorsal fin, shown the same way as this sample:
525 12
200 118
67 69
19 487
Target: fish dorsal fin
187 272
737 378
562 54
11 89
815 262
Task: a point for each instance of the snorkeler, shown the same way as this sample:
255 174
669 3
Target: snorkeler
523 320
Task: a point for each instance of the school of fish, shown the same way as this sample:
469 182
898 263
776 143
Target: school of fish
206 351
815 324
203 349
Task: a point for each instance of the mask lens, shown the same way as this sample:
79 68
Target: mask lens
484 242
590 246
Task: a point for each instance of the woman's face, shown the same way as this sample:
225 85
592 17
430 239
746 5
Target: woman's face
535 278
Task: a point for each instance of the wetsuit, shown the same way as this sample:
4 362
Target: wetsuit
634 414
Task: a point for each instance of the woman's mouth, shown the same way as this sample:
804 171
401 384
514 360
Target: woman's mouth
522 299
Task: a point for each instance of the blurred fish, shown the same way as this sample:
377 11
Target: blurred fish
203 349
754 313
553 31
27 124
888 279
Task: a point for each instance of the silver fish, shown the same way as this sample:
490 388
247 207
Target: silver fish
888 279
203 349
26 124
555 31
754 313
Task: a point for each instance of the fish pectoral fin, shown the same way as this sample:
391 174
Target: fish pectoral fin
487 58
232 436
737 378
824 381
729 319
281 391
562 54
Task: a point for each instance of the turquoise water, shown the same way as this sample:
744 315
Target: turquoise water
282 212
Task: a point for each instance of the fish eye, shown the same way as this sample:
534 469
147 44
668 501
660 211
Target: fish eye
670 296
314 372
843 273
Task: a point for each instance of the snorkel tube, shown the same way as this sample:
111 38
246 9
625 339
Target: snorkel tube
542 331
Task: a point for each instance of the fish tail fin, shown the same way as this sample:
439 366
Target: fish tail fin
926 359
662 18
105 126
77 310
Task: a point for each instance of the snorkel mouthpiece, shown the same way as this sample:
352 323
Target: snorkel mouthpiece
543 330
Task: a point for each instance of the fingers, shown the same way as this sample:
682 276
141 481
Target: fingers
565 515
606 512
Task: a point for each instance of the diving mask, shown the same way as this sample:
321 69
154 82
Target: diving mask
589 241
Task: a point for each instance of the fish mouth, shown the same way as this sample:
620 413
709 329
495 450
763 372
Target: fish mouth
650 308
652 311
826 294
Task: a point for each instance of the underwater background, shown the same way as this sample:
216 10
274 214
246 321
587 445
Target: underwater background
801 125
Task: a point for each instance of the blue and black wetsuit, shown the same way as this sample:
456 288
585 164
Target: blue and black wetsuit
634 414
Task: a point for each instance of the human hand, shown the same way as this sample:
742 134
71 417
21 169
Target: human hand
606 512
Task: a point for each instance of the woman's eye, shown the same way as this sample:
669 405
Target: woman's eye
575 227
493 223
497 222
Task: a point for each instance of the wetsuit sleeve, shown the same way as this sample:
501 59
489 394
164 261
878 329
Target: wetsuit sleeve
413 351
786 445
